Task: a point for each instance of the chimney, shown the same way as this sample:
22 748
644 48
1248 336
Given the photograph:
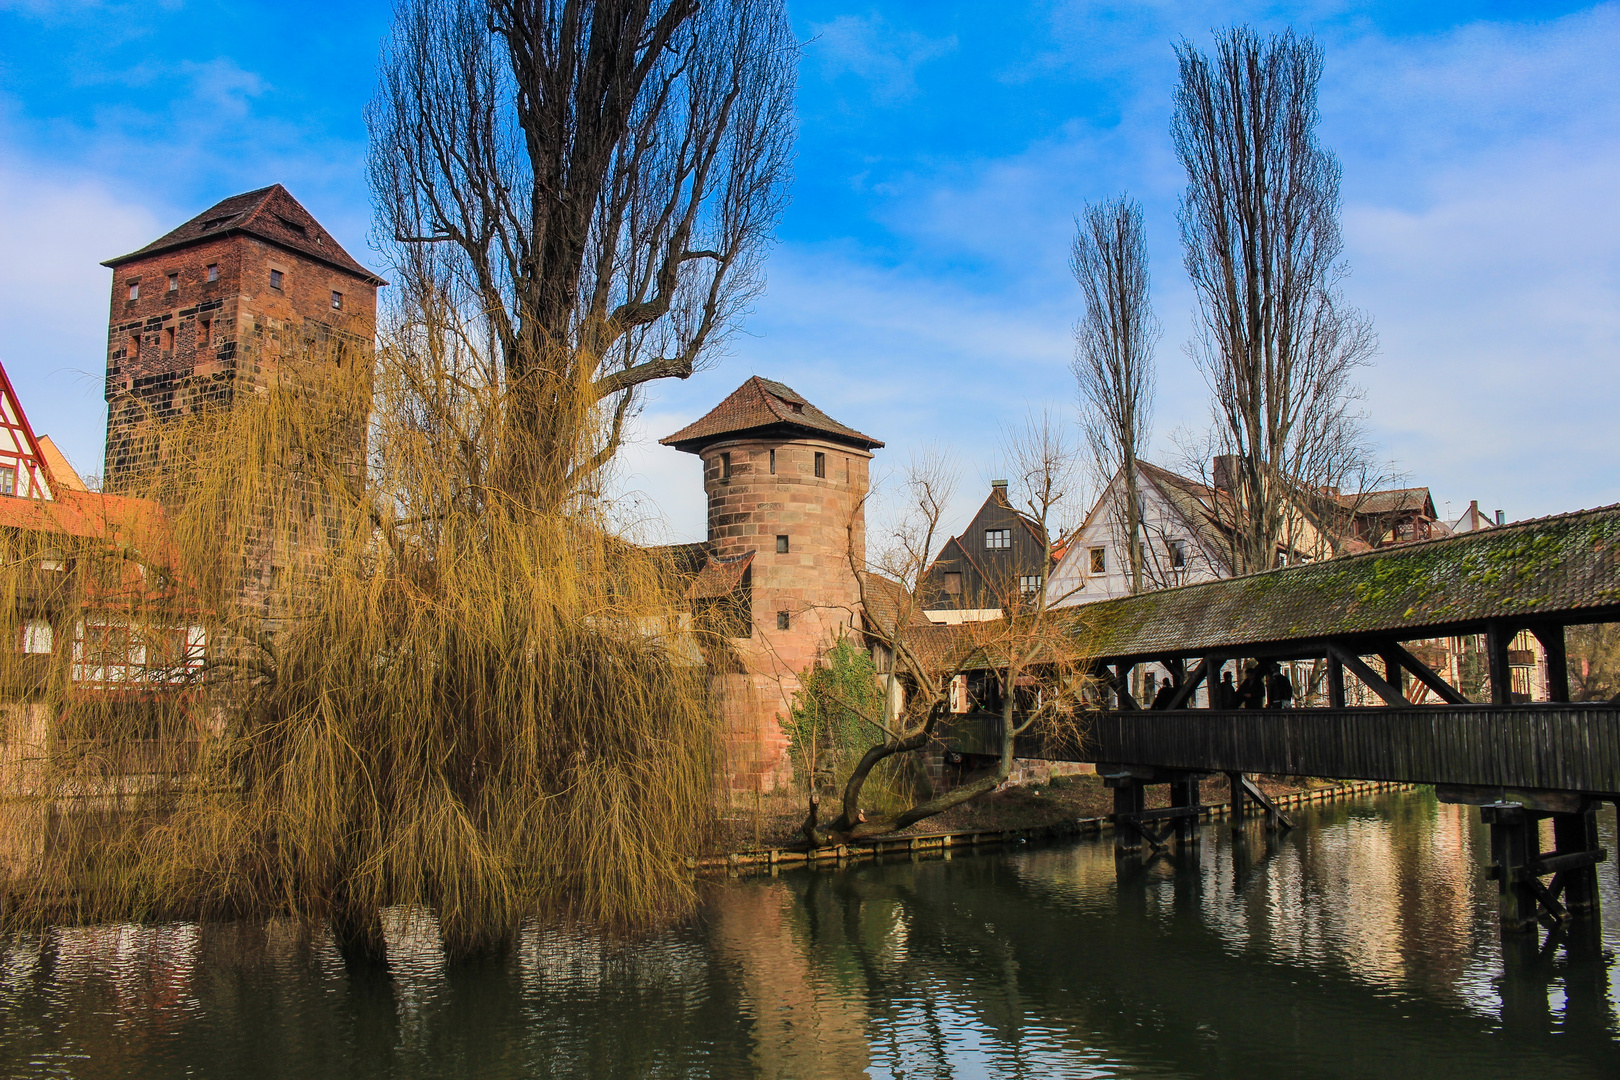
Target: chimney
1473 514
1224 471
998 488
1499 518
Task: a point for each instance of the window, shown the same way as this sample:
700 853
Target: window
134 290
213 271
782 620
998 538
275 279
205 331
36 638
725 466
1099 560
52 560
773 462
1029 584
781 545
821 465
174 282
168 339
8 480
337 301
1178 553
134 348
953 583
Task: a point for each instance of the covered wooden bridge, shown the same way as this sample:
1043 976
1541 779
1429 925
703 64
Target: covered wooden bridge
1520 761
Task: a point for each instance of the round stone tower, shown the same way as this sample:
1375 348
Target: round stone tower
787 486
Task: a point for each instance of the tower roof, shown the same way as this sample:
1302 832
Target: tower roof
269 213
760 405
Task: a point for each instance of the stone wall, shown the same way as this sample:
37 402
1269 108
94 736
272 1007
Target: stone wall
809 587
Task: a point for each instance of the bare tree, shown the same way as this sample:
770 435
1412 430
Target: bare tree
1113 362
1032 659
1260 233
595 183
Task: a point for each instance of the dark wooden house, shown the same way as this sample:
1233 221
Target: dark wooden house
1001 560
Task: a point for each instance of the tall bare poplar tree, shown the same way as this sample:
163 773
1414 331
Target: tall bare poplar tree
1260 231
594 183
1114 355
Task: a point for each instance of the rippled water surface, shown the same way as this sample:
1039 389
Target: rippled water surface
1362 944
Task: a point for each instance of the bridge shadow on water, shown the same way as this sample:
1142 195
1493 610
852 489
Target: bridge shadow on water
1362 943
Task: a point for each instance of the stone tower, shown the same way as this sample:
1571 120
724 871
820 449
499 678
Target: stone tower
216 306
786 485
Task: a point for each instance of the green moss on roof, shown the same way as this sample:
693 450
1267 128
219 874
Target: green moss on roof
1556 564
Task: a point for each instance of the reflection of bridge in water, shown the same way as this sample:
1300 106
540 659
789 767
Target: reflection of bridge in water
1522 763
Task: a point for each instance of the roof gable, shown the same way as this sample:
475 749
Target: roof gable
269 213
758 404
19 449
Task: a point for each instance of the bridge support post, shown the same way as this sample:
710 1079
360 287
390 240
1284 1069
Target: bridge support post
1514 845
1185 793
1129 798
1238 806
1574 833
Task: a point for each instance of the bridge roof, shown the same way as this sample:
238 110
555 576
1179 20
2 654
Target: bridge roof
1562 569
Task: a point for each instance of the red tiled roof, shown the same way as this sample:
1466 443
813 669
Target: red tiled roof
81 513
760 403
270 214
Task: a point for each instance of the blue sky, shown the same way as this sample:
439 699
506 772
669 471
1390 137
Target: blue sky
920 290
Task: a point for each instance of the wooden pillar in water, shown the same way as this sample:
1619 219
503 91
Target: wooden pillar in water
1129 798
1185 793
1574 833
1236 815
1514 844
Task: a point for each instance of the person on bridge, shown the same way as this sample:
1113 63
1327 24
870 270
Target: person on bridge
1162 699
1252 690
1279 688
1226 694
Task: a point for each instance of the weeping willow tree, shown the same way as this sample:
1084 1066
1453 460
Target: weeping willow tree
392 686
416 665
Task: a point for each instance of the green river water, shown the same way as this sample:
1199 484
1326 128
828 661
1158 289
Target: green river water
1361 944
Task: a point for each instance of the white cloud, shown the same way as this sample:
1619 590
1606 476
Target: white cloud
883 55
53 319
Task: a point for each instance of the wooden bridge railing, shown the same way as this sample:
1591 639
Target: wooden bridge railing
1559 747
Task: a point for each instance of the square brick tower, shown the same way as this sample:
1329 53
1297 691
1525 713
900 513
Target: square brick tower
787 489
212 308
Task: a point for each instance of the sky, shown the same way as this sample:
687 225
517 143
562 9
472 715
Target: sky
919 290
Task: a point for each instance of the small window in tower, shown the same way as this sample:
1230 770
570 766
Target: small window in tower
275 279
821 465
168 339
773 462
174 282
1099 560
213 271
8 480
134 290
783 620
337 301
781 545
725 466
998 538
205 330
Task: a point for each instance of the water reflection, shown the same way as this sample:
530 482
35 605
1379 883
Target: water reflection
1361 943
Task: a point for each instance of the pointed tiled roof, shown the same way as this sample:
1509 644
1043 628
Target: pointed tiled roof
760 403
269 213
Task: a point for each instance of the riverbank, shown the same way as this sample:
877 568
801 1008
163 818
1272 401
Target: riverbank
1063 806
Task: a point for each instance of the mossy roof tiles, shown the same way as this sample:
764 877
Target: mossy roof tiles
1548 567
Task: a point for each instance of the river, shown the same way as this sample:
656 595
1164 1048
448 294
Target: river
1361 944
